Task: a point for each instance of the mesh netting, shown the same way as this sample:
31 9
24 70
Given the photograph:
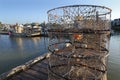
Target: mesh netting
79 42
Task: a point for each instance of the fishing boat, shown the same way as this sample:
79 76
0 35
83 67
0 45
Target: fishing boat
21 31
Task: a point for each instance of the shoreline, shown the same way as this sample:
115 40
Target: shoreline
4 32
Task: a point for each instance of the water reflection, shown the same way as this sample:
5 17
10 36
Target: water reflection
18 42
114 60
35 41
16 51
21 43
115 33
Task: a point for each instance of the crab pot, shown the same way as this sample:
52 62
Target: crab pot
79 42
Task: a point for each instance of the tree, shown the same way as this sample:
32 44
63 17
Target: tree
0 25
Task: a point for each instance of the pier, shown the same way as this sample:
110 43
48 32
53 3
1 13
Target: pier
35 69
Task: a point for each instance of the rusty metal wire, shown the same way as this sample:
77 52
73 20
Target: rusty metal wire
79 42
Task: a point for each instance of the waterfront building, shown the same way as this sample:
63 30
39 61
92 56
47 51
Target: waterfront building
115 22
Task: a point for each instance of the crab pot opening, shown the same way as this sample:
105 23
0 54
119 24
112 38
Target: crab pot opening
79 42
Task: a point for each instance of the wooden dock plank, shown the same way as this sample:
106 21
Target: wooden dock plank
37 71
18 77
35 74
42 65
14 78
44 62
40 69
25 76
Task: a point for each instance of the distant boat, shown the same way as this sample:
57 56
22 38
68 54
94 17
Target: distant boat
25 32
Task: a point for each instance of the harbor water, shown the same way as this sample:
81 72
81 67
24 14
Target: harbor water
17 51
114 58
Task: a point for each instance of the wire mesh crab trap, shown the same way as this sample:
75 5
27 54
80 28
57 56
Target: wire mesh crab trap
79 42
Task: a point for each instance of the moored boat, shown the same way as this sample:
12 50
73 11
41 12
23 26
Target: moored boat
21 31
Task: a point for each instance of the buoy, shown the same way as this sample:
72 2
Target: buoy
78 36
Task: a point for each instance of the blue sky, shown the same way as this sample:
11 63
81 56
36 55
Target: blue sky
26 11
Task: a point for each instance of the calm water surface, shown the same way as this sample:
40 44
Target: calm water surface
16 51
114 58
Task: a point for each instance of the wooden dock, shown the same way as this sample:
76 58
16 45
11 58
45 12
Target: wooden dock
36 72
33 70
36 69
